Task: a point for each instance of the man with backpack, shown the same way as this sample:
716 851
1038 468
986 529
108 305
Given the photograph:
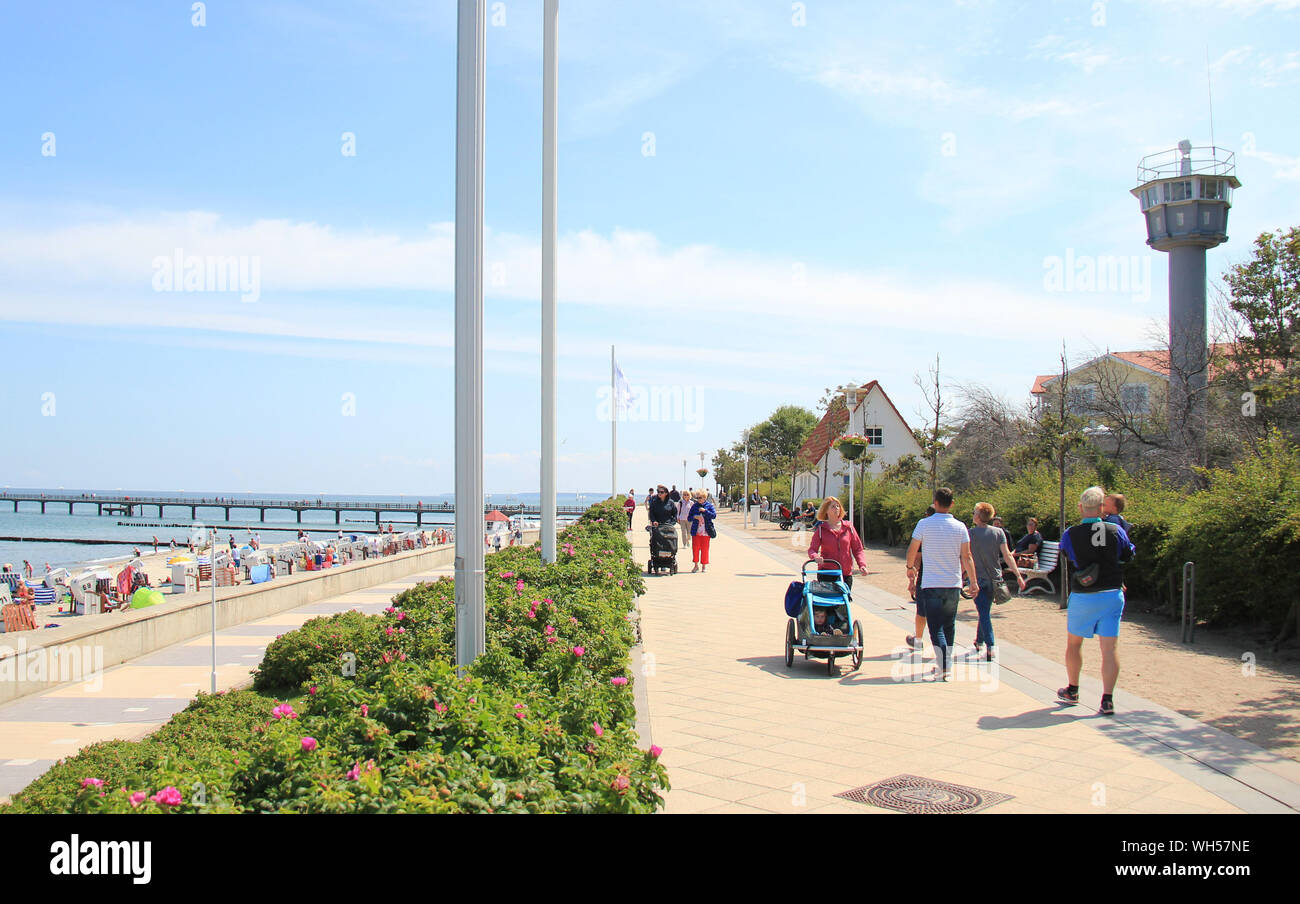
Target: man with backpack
1097 550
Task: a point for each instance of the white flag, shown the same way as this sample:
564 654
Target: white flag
624 396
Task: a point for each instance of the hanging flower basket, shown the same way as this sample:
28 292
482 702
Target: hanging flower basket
701 471
851 446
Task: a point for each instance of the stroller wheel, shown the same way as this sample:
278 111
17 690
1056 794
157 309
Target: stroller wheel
789 642
857 643
831 667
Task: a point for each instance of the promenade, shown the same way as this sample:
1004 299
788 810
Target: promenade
742 733
135 698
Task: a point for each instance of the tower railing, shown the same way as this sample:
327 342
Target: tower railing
1200 161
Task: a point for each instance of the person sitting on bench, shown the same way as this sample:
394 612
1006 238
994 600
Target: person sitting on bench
1026 550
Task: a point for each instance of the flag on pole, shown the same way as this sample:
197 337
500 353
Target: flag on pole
624 395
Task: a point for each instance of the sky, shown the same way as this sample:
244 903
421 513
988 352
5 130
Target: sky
757 200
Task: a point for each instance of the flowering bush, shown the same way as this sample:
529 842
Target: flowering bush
357 713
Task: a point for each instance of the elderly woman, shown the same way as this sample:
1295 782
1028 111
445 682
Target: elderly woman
701 517
835 540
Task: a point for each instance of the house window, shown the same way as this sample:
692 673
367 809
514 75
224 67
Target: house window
1080 400
875 436
1136 398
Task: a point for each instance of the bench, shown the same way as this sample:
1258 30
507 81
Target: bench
1048 560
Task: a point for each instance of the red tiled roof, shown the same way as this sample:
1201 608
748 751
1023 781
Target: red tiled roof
828 428
1152 360
834 422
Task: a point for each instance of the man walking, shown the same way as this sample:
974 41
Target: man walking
1098 551
942 543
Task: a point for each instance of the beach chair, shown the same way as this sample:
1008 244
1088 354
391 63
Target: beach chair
18 617
1048 560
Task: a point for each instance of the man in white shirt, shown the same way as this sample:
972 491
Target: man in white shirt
942 544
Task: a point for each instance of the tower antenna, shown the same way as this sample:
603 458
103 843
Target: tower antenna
1209 90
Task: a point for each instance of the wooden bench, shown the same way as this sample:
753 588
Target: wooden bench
18 617
1048 559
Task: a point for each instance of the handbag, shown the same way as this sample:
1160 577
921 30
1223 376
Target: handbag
710 529
1000 591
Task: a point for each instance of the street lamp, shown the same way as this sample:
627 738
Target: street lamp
746 480
851 398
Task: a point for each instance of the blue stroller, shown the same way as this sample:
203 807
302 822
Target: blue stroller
825 592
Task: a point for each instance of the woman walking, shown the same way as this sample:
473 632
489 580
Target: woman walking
835 540
629 506
702 515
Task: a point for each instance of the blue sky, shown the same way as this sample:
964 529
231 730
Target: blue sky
828 201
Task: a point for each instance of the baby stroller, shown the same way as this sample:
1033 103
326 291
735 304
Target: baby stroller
789 519
827 592
663 549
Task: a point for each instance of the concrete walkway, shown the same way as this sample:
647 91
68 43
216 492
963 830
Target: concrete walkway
135 698
741 732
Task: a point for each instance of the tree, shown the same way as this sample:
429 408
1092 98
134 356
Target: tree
931 439
1054 434
1263 359
729 468
987 427
907 471
778 439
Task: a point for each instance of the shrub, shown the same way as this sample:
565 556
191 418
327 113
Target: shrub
538 724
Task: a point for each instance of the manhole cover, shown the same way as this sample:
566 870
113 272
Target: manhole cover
914 794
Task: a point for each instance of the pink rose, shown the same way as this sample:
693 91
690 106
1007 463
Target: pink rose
600 732
618 682
353 773
138 798
167 797
578 651
440 707
312 690
621 783
309 744
92 783
655 750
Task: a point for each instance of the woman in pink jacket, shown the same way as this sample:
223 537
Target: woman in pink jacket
835 540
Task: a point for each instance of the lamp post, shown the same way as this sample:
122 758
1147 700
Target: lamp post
746 493
550 71
471 34
851 399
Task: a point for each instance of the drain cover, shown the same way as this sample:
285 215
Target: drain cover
914 794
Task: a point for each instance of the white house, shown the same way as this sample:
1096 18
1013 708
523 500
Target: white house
874 417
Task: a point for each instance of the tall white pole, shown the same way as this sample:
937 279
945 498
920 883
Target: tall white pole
746 480
471 34
212 557
550 147
613 428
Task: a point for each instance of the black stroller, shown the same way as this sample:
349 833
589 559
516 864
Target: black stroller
663 549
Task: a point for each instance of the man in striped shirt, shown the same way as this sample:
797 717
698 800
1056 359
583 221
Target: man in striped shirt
942 544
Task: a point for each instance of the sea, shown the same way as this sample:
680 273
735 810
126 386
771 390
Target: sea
175 524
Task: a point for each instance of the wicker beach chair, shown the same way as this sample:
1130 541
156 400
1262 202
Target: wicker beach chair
18 617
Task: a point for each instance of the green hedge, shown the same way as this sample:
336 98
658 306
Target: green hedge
1242 530
380 722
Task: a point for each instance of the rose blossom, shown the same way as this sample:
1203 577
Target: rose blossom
167 797
309 744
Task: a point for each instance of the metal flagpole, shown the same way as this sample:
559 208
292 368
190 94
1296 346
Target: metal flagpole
613 428
550 75
471 34
212 557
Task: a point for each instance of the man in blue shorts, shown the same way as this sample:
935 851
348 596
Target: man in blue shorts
1097 550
